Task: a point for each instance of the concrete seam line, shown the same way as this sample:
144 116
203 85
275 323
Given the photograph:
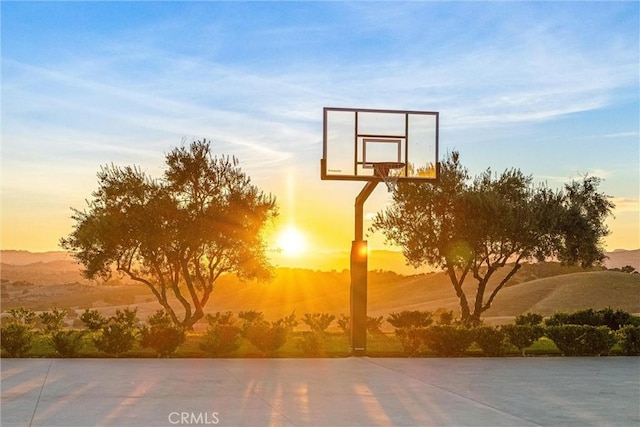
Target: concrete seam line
35 409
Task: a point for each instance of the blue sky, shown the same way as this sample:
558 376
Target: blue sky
551 88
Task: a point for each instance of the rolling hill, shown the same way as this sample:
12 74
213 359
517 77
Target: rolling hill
543 288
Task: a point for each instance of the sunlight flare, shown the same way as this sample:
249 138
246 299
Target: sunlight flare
292 242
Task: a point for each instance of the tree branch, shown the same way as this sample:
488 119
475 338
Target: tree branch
503 282
146 282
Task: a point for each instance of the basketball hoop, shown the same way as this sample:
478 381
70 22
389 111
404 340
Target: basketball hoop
389 172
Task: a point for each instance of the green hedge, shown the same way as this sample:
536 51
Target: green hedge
522 336
629 339
614 320
581 340
491 340
250 335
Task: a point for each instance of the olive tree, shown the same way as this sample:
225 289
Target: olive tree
176 234
471 228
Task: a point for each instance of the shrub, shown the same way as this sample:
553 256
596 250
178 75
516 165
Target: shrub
629 339
491 340
374 325
409 319
408 324
344 323
288 322
115 339
269 337
161 334
250 317
447 340
53 321
411 340
318 322
93 319
312 343
126 317
599 340
614 320
531 319
67 343
118 334
16 339
522 336
606 317
628 269
581 317
444 317
22 316
222 335
581 340
16 336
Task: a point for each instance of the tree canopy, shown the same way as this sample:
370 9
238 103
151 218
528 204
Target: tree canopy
473 227
176 234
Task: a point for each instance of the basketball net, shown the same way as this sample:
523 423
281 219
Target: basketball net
389 172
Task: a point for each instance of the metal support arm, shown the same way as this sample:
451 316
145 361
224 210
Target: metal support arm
358 292
359 205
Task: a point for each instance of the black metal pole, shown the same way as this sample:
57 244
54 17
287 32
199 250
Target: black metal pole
358 292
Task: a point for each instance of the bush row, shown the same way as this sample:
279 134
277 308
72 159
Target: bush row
120 333
586 332
582 333
113 335
571 340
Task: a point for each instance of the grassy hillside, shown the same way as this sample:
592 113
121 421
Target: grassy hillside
544 288
597 290
567 291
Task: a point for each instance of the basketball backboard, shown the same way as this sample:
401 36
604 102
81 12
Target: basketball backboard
356 142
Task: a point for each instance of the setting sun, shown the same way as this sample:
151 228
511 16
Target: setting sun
292 241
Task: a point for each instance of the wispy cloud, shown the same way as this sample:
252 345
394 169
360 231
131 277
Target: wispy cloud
626 205
254 80
633 134
534 77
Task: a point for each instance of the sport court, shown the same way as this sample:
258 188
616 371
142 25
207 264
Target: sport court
358 145
362 391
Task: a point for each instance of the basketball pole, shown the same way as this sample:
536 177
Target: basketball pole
358 291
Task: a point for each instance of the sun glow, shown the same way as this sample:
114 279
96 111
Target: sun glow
292 242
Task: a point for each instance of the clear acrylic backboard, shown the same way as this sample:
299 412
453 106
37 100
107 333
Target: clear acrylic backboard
357 141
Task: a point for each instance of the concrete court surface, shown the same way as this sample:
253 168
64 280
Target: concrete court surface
532 391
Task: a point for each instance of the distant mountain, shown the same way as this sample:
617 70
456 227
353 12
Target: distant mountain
620 258
25 257
323 261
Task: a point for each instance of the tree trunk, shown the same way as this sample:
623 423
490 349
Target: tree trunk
188 323
465 313
474 320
